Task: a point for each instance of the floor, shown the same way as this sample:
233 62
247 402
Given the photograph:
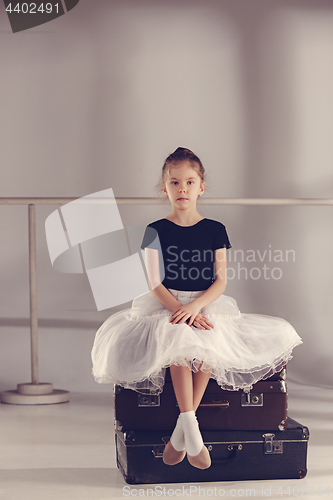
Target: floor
66 452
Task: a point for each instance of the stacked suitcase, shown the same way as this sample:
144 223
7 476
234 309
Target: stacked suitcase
248 433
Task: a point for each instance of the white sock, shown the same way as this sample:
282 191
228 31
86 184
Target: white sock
193 438
177 437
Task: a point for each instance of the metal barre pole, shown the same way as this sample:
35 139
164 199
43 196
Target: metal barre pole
36 392
33 294
162 202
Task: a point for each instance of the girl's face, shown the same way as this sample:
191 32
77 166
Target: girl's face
183 185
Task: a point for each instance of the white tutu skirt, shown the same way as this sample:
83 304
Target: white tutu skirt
133 347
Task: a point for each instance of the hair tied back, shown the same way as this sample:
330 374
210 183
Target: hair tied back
183 150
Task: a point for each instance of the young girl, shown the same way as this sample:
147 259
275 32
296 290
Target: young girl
186 322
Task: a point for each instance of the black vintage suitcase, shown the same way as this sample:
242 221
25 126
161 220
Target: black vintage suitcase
236 455
265 406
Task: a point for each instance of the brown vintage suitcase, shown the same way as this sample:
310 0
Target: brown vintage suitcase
264 407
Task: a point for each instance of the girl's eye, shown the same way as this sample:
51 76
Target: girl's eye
176 182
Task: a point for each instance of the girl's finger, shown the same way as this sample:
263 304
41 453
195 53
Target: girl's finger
191 322
189 318
181 318
206 325
176 312
199 324
207 321
203 326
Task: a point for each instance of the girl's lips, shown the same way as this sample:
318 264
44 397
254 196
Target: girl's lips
180 199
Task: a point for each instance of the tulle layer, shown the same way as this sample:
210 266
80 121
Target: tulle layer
133 347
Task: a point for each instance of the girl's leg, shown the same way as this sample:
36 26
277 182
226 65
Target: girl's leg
181 376
200 381
198 454
183 386
187 386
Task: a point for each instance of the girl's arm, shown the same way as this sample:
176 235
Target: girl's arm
159 291
220 283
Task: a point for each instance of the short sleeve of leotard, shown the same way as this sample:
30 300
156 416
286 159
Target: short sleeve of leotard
221 239
150 238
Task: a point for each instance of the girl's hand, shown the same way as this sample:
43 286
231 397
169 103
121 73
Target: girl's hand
184 312
202 322
190 313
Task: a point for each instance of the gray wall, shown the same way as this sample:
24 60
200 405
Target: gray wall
99 97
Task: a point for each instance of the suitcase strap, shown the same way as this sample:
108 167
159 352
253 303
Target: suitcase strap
215 404
232 448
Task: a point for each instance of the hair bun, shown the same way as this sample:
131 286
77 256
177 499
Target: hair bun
183 150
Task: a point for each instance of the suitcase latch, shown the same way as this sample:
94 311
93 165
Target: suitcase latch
272 447
282 425
234 446
159 448
148 400
283 386
252 399
158 451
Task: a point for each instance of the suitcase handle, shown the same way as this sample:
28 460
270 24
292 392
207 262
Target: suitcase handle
224 461
215 404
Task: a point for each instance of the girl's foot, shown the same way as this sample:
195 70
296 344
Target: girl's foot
174 451
197 453
172 456
202 460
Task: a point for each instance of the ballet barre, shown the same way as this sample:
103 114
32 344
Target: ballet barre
157 201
